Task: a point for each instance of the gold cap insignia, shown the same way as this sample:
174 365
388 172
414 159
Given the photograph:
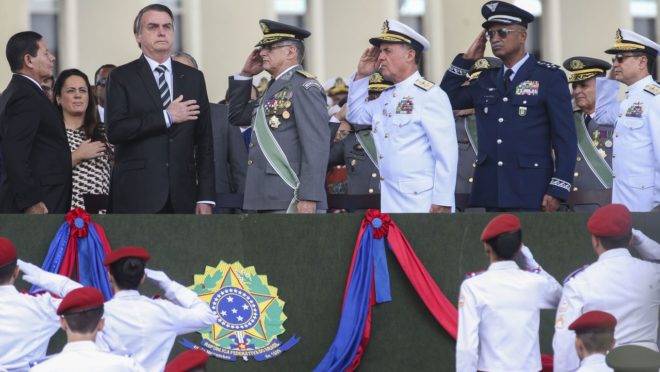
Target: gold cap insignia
264 27
386 27
481 64
617 37
576 64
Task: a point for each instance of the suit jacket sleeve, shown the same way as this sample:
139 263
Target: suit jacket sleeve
240 106
562 135
204 146
337 153
452 83
314 133
122 125
20 126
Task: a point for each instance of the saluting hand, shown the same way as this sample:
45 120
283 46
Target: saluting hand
368 62
253 65
181 110
476 50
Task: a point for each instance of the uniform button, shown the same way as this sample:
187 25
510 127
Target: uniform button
415 193
474 165
380 156
251 144
382 178
374 175
576 174
501 120
470 179
371 191
387 135
536 164
505 99
250 162
167 164
499 163
499 141
579 158
575 189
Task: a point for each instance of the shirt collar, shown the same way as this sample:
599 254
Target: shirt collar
503 265
77 346
285 71
518 64
153 64
593 359
615 252
126 293
640 84
8 288
31 79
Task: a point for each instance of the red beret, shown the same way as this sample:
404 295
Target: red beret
612 220
81 299
187 360
504 223
593 319
7 252
124 252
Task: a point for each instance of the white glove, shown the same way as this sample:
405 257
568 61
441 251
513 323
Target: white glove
530 262
31 273
159 277
54 283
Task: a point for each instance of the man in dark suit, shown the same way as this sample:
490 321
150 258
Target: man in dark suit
159 120
35 150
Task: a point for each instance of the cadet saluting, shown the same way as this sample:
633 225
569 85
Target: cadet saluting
523 114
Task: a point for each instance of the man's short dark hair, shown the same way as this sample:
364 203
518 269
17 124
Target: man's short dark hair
19 45
84 321
137 23
597 340
616 241
98 71
506 245
128 272
6 272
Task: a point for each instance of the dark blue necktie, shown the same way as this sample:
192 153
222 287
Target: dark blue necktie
247 136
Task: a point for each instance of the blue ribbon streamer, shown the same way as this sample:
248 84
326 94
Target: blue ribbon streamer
55 255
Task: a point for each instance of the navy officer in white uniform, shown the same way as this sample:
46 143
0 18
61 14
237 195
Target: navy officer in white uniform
412 124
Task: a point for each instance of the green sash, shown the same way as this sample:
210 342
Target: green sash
471 130
276 157
366 140
590 154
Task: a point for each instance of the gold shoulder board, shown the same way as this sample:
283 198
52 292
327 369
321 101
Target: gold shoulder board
653 89
306 74
424 84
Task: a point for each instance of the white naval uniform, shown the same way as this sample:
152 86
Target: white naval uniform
28 322
498 318
147 327
624 286
86 356
636 152
415 136
594 363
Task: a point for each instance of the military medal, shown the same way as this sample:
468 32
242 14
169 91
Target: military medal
635 111
274 122
608 143
602 153
287 104
286 114
405 106
522 111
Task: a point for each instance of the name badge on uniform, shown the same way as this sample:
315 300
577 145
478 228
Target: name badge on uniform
405 106
635 111
528 88
522 111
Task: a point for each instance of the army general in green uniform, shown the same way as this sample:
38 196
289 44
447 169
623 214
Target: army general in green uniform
288 151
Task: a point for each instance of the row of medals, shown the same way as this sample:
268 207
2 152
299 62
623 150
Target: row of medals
274 121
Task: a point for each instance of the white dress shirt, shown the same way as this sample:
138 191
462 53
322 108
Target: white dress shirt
147 327
86 356
168 78
415 137
594 363
516 67
624 286
498 318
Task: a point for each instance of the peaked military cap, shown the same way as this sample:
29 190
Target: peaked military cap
584 68
400 33
629 41
278 31
504 13
377 83
338 87
629 358
483 64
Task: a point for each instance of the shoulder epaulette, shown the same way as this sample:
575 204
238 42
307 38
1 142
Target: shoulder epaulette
473 274
424 84
654 89
575 273
306 74
549 65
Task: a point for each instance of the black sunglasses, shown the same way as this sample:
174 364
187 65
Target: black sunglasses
502 33
619 58
102 82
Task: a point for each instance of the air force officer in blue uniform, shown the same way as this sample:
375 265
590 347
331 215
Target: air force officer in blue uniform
526 136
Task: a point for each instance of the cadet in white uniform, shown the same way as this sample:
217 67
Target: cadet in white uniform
412 124
636 152
147 327
26 322
499 309
624 286
81 314
594 331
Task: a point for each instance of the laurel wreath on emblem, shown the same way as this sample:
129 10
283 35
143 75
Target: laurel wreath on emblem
576 64
249 313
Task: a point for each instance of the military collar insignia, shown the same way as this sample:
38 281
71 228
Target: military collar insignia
424 84
492 6
547 65
576 64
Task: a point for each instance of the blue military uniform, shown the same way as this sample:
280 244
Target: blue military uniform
519 128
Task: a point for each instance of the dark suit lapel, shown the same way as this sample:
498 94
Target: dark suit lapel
499 80
147 76
178 80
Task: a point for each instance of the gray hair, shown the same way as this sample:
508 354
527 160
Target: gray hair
188 56
137 23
